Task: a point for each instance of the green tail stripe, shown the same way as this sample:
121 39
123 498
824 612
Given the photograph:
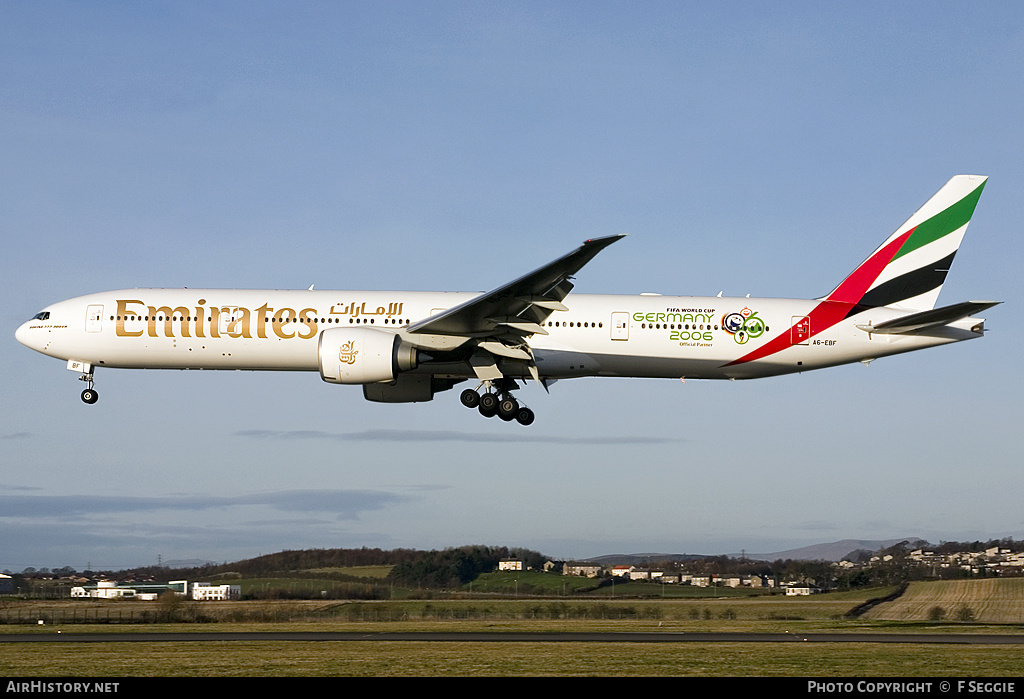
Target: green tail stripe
942 223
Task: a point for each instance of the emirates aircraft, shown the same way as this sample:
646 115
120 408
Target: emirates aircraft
403 346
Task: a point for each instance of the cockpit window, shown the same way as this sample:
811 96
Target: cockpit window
44 315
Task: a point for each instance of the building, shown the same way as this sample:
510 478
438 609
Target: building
587 570
510 564
207 592
794 590
106 589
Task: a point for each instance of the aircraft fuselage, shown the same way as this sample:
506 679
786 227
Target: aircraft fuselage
648 336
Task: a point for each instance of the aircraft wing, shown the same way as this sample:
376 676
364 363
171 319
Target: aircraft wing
915 322
515 309
501 321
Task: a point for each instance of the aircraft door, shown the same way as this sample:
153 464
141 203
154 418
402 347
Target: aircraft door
620 325
801 330
94 319
228 320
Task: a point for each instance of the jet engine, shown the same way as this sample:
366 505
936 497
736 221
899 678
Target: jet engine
363 355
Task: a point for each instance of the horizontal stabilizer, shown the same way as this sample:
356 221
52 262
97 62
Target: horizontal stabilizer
916 322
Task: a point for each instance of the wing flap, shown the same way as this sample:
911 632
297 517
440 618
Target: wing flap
504 350
524 326
544 302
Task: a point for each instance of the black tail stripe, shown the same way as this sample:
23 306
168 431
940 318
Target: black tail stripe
909 285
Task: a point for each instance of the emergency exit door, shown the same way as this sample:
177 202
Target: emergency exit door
94 319
801 330
620 325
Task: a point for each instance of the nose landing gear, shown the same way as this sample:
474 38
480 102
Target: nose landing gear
500 403
89 395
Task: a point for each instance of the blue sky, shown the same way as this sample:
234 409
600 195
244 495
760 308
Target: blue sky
761 148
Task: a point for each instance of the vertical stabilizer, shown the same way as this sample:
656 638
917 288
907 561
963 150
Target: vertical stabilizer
908 269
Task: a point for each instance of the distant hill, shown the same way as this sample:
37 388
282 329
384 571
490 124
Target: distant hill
827 552
189 563
834 551
639 559
325 558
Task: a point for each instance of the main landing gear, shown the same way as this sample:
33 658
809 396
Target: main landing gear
89 395
498 402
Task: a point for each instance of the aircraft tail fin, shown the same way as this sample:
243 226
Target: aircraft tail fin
909 268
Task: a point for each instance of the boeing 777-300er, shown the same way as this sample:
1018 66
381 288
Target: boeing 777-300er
403 346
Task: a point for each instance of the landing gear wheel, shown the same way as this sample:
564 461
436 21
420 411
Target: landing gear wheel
489 402
470 398
507 409
487 411
525 416
90 396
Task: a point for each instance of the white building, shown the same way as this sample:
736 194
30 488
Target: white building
206 591
111 590
152 591
794 590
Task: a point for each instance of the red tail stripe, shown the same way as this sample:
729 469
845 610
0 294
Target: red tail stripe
822 317
854 287
834 308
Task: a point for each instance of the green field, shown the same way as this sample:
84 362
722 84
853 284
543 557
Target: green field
992 600
485 611
538 583
446 659
311 588
373 572
731 610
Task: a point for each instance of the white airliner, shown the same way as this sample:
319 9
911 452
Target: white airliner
405 346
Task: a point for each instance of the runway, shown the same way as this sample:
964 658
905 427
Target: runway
515 637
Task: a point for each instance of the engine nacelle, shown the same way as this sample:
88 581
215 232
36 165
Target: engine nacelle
363 355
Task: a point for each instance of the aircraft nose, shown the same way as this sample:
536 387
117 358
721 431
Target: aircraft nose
22 335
